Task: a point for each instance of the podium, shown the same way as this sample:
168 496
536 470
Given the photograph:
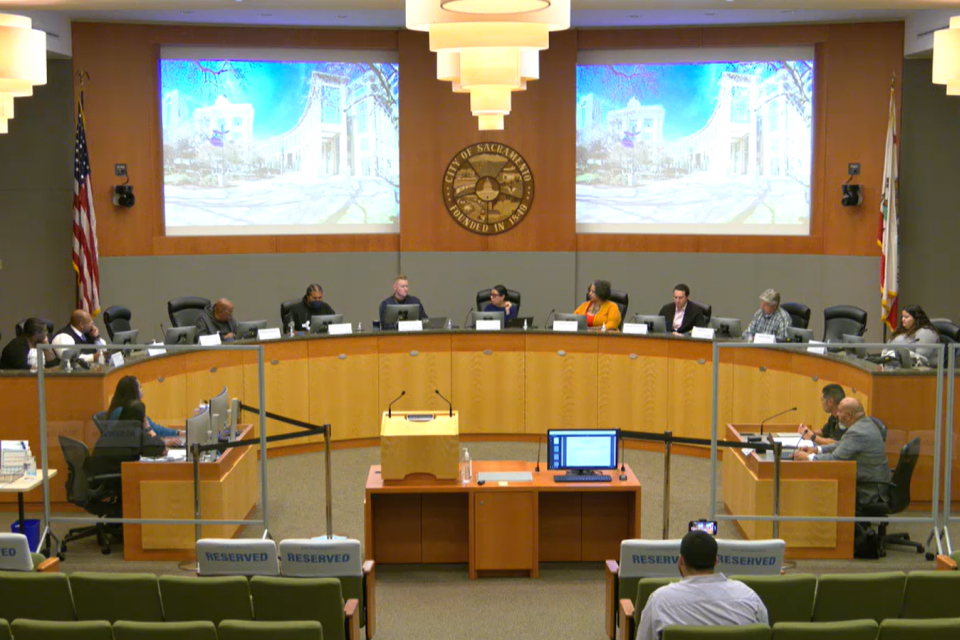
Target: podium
420 447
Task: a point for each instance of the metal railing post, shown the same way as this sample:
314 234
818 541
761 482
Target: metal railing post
713 431
195 453
329 481
667 446
777 450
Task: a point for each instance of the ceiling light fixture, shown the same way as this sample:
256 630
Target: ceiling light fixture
488 48
23 62
946 57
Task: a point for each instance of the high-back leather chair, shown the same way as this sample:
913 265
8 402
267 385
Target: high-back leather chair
117 318
799 314
483 298
622 300
843 319
19 327
899 497
707 311
285 308
949 332
185 311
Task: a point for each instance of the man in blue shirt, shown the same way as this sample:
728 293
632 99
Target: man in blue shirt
401 287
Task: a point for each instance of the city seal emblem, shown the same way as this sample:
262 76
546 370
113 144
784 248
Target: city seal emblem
488 188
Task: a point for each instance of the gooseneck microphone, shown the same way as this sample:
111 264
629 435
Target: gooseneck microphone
775 416
390 406
546 325
437 391
466 321
539 446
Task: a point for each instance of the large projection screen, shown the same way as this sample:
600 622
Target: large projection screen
279 141
698 141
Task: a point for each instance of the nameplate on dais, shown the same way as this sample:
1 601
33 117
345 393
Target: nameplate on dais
340 329
268 334
765 338
702 333
210 341
636 329
410 325
564 325
488 325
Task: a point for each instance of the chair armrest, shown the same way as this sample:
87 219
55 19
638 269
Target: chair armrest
351 620
946 563
52 565
370 596
611 576
628 630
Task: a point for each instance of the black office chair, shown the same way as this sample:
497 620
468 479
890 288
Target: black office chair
843 319
96 495
483 299
799 314
707 312
185 311
285 308
116 318
899 498
19 328
949 332
100 421
622 300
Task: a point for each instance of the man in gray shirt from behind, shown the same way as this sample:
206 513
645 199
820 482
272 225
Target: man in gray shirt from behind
702 597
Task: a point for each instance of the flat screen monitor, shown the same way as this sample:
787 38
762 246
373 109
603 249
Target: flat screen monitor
180 335
581 450
655 324
126 337
397 312
234 417
517 323
319 324
437 323
580 319
69 357
851 339
197 427
726 327
798 335
219 405
486 315
247 330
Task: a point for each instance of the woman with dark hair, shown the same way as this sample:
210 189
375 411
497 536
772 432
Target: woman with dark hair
916 328
601 312
499 302
312 304
128 391
126 439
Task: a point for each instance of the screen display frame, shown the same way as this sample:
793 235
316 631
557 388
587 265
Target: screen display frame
561 435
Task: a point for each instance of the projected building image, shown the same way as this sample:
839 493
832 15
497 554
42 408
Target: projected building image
279 147
721 148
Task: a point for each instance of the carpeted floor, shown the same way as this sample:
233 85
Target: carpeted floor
440 601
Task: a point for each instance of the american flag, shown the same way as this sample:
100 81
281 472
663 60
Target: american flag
85 255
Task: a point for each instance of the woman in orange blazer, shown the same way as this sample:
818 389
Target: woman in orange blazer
600 310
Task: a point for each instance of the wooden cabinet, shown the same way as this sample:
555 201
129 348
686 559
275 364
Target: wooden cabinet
505 530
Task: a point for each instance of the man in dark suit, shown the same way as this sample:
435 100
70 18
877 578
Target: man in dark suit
682 316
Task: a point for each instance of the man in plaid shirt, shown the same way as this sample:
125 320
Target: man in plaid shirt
770 318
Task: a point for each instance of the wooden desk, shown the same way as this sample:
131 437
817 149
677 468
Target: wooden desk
25 484
806 489
229 490
500 529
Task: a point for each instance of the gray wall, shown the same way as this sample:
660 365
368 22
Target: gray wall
36 200
929 193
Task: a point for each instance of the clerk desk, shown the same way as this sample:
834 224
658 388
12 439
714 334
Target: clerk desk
511 383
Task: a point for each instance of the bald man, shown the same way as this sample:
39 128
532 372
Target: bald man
863 443
81 330
218 318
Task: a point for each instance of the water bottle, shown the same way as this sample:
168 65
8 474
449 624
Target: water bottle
603 328
290 329
524 324
466 467
450 326
359 327
31 469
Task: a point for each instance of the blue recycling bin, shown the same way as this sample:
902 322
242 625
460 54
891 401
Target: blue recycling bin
32 531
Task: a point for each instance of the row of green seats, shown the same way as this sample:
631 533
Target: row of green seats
123 630
892 629
138 597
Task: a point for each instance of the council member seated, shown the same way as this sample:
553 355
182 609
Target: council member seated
862 443
499 302
401 295
218 319
682 315
915 328
81 330
129 391
602 313
124 440
21 352
703 596
832 431
769 318
311 305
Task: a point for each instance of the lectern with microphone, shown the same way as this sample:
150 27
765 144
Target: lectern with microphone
420 447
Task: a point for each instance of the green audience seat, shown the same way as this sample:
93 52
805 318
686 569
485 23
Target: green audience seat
860 596
931 594
645 588
36 596
240 630
116 596
848 630
213 599
939 629
197 630
319 599
788 598
47 630
5 630
695 632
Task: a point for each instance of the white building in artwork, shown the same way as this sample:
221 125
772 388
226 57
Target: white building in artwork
235 119
644 121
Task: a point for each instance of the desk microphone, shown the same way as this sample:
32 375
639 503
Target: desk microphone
390 406
437 391
163 333
546 325
539 446
774 416
466 320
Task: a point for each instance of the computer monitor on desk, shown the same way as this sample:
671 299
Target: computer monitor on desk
180 335
726 327
394 313
219 407
581 451
247 329
579 318
486 315
197 428
321 324
655 324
